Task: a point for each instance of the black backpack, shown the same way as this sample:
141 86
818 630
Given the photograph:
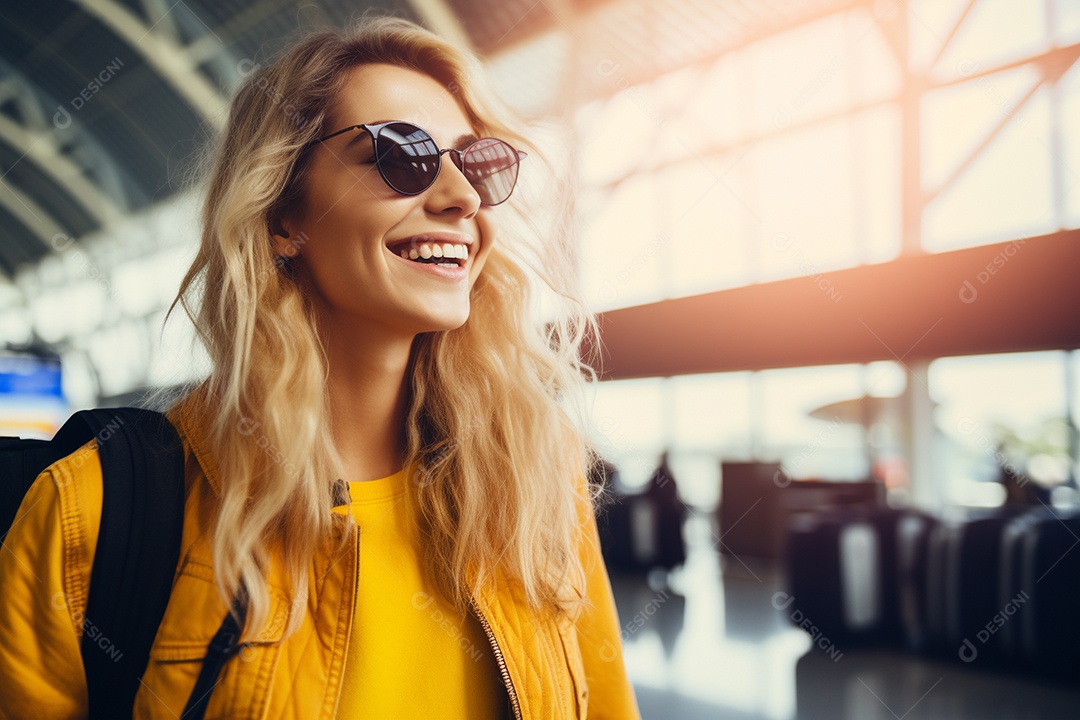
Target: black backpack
138 547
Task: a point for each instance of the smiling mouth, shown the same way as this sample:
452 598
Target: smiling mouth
432 253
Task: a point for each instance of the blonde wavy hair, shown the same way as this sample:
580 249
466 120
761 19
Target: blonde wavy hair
496 417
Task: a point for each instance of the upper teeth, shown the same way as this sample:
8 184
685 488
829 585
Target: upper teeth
426 250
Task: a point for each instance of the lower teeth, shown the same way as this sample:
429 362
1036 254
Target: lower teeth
444 264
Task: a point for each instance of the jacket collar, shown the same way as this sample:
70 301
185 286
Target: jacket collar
191 417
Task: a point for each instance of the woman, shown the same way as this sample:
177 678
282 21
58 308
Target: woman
386 459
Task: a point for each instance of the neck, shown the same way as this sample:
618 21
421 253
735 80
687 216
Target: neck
368 390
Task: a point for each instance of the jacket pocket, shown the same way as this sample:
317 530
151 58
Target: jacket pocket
193 615
569 639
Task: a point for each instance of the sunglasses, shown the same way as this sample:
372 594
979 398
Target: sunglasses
409 160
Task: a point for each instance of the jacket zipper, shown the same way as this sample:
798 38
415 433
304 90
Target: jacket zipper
499 659
507 681
356 582
356 594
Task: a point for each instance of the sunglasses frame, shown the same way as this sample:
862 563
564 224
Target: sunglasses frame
373 130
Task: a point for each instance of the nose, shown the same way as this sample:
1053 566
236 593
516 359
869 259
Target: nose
451 189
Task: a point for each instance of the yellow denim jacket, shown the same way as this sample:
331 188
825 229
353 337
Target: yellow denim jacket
552 669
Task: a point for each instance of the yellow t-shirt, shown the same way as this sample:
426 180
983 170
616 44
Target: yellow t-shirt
410 655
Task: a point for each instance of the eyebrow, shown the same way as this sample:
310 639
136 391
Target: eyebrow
464 141
460 143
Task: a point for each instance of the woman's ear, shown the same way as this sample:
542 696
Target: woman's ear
279 237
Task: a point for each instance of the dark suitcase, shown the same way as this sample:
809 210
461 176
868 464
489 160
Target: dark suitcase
913 533
841 575
964 575
1036 623
1011 589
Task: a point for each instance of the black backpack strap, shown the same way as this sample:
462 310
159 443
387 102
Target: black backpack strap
138 549
225 644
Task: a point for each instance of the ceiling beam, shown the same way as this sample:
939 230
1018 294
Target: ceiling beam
42 149
1007 297
31 215
169 58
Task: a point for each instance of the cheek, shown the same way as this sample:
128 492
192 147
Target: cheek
350 221
343 193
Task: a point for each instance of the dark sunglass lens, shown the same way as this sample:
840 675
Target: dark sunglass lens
492 167
407 157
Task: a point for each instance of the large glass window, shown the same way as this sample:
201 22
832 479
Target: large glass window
834 423
997 413
848 422
784 158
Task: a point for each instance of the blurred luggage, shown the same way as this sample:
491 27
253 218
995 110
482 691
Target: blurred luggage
964 573
912 559
643 531
841 570
1036 620
996 587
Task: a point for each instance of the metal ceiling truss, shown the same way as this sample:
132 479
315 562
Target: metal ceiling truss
38 140
67 163
68 159
161 47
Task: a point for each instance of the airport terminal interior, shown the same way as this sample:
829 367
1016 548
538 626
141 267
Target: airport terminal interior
833 249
